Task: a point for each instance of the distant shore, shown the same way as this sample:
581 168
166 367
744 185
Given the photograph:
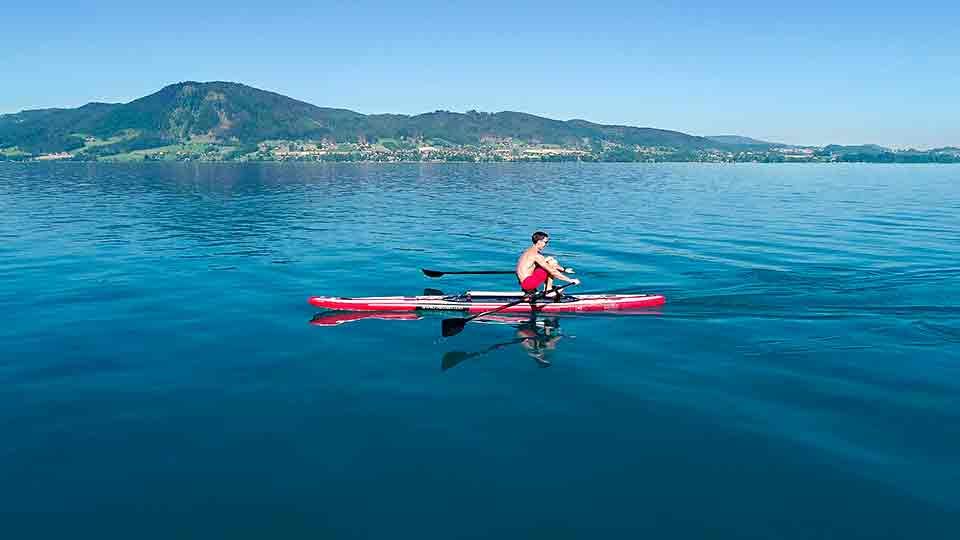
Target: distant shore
225 121
393 152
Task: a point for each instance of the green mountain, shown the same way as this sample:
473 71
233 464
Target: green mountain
235 114
50 130
741 141
873 153
863 149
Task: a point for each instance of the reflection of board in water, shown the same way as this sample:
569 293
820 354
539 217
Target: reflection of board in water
537 335
336 318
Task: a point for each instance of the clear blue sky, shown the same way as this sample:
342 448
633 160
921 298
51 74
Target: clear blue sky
799 72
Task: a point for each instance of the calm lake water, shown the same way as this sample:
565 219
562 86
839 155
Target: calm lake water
160 378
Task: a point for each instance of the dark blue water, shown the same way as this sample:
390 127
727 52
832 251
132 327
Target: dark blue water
160 378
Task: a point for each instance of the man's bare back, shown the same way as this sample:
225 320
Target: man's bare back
527 262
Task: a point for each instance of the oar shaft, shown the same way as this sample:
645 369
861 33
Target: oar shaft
452 327
531 298
439 273
483 272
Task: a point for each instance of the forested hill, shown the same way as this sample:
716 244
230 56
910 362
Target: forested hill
232 113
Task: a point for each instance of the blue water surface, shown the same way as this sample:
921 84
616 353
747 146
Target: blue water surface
160 376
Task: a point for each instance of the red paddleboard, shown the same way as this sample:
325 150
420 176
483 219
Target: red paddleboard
480 301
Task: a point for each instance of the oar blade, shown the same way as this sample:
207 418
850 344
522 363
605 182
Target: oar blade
453 358
452 327
431 273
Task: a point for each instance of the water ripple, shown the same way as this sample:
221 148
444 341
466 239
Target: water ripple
811 320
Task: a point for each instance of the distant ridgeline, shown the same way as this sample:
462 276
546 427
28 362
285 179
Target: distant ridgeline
221 121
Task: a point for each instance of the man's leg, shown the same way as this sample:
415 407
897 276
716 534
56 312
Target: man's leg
549 285
555 265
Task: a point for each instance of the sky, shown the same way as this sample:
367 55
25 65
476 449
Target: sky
796 72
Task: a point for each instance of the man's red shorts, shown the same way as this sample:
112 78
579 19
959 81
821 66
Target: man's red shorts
534 280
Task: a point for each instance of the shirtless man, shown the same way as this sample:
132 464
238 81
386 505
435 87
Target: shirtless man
533 269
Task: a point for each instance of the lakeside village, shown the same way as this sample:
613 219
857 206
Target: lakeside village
490 150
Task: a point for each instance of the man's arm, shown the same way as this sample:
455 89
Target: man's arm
552 269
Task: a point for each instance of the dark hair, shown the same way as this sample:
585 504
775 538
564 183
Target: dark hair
538 236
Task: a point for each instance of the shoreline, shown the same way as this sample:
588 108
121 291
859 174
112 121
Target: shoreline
518 162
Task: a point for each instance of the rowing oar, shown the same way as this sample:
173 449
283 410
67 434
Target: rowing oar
452 327
437 273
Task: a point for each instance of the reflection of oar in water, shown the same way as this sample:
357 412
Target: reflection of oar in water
453 358
452 327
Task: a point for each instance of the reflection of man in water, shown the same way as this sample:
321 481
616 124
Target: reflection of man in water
536 336
538 341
